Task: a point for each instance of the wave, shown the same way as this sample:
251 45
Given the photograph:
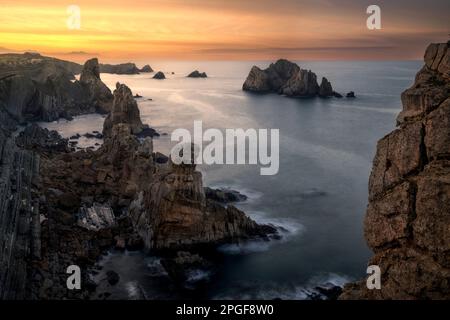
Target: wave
270 290
288 228
369 109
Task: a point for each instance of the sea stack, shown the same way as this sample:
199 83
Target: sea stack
124 110
159 75
286 78
98 91
146 68
325 89
408 217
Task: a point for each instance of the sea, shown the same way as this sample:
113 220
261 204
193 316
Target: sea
319 195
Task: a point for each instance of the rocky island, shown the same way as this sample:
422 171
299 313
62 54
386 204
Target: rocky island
287 78
407 222
159 75
197 74
122 68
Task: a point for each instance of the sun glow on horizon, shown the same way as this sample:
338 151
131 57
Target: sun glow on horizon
210 30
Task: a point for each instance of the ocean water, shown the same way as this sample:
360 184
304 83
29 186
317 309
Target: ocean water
319 194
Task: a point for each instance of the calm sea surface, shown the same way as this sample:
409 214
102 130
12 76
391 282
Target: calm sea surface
319 194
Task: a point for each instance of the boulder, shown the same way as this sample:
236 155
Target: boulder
224 195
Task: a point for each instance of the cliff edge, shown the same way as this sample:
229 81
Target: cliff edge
407 223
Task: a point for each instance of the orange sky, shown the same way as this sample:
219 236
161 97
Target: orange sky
219 29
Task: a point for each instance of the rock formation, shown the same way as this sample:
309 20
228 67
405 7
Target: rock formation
287 78
124 110
224 195
351 94
99 93
173 213
19 216
325 89
59 208
408 217
123 68
45 90
197 74
146 68
159 75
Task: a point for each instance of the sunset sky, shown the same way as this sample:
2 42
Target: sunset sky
223 29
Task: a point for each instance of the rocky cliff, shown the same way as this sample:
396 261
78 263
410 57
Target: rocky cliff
59 208
173 213
287 78
407 224
19 216
46 90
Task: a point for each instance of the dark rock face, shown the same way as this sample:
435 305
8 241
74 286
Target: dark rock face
123 68
159 75
173 213
146 68
46 91
124 110
197 74
287 78
408 216
59 208
19 217
99 93
224 195
325 89
351 94
112 277
179 267
41 140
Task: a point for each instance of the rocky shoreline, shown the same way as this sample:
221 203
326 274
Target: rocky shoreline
61 208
